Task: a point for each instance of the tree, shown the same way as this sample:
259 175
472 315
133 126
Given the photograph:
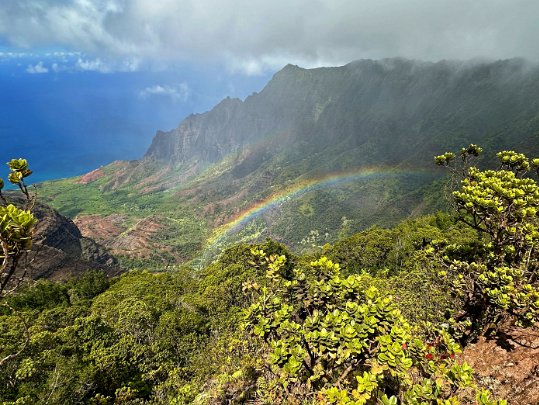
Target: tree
496 277
16 230
16 225
335 340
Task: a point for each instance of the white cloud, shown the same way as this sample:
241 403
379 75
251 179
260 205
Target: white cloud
251 36
262 64
37 69
92 65
15 55
102 66
177 93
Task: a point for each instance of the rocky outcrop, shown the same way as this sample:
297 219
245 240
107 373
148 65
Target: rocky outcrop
507 363
59 250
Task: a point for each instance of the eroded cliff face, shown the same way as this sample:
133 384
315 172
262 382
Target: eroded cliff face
60 251
206 137
274 117
386 109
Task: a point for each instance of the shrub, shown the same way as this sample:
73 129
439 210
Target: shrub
495 277
334 340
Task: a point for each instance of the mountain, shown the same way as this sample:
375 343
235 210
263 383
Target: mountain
388 108
316 154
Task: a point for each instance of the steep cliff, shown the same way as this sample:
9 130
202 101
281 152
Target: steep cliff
388 110
316 153
59 249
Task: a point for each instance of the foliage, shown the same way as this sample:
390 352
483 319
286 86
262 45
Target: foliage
495 276
16 224
89 340
146 337
390 251
397 261
334 340
174 337
313 332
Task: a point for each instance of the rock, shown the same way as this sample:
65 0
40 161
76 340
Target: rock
494 359
59 250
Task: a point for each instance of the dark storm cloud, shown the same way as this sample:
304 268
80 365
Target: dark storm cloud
249 35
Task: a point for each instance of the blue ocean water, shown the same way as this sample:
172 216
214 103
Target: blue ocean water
70 122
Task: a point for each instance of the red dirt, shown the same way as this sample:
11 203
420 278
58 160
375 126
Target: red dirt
508 364
91 176
138 241
102 229
112 231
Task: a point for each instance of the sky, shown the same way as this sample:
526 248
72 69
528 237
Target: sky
85 82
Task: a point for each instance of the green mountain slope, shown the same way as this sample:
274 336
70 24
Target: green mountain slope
316 154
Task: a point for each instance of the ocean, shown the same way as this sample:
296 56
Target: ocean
70 122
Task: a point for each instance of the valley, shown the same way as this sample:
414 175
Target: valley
351 143
269 203
301 245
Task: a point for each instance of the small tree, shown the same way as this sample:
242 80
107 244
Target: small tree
16 230
334 340
497 276
16 226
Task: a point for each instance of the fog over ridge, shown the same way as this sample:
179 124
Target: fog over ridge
253 35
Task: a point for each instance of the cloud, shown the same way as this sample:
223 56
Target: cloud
92 65
102 66
251 36
72 62
177 93
37 69
14 55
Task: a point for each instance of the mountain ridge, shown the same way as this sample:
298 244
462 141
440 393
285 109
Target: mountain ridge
298 100
393 114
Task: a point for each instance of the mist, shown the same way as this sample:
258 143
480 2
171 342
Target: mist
251 36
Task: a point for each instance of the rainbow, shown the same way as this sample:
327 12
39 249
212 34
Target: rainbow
302 187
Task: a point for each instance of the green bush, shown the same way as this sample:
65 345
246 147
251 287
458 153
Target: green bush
332 339
495 276
16 225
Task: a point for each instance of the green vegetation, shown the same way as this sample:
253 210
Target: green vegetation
16 226
179 232
189 210
379 317
335 340
495 276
